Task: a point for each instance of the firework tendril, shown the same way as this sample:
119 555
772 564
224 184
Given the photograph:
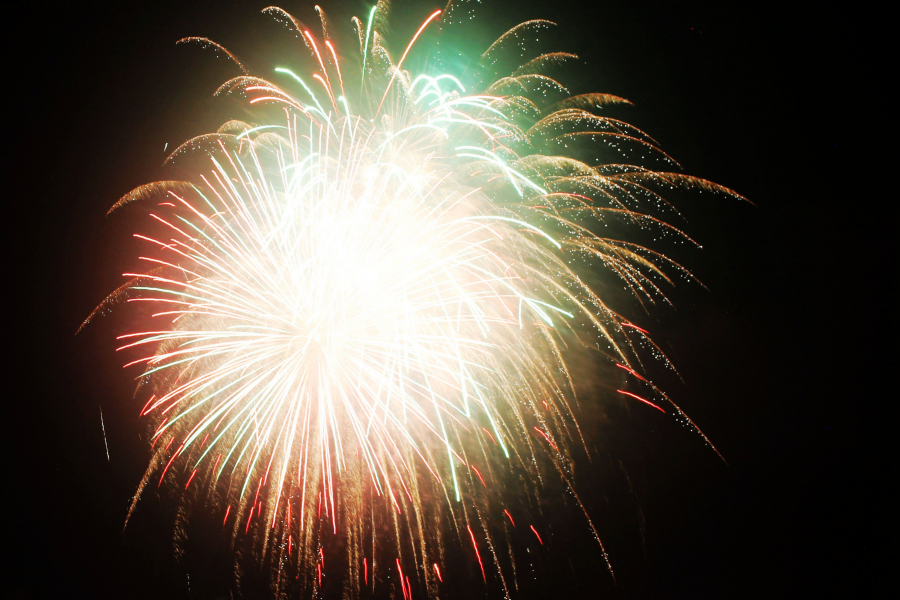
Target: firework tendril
362 307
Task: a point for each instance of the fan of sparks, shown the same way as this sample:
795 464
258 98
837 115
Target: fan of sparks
362 307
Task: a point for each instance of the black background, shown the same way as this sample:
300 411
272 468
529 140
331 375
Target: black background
783 358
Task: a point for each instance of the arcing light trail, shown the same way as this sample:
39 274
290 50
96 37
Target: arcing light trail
362 307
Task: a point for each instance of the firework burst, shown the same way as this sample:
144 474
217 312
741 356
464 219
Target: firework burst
362 306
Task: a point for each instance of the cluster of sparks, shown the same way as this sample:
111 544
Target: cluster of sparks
361 309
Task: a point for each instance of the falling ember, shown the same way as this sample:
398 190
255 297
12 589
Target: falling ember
103 428
537 534
402 580
506 512
644 400
477 553
370 289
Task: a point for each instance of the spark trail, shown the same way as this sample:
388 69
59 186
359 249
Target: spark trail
103 428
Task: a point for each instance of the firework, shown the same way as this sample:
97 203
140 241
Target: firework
361 307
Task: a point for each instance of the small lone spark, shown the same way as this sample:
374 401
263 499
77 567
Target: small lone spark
103 427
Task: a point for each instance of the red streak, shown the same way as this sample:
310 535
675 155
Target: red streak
337 65
191 479
635 327
225 520
642 400
479 475
366 571
632 371
258 487
510 517
156 438
437 572
418 33
402 584
171 460
327 81
489 433
477 554
402 58
144 410
536 533
549 441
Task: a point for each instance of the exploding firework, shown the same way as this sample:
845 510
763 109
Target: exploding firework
362 307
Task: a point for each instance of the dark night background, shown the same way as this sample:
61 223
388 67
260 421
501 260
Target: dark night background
781 358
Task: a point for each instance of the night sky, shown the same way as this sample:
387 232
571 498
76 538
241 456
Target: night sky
782 357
